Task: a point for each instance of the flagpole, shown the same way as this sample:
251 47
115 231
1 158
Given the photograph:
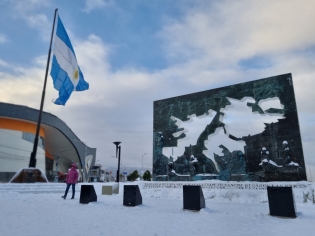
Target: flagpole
33 154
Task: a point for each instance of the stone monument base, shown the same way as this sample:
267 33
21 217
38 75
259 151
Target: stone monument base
29 175
110 189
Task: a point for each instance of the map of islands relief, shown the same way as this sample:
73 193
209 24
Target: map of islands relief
243 132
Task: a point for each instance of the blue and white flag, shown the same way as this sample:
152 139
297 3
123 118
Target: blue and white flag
65 72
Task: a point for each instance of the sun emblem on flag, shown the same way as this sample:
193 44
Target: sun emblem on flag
76 74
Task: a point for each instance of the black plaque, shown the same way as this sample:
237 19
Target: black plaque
87 194
132 195
193 197
281 201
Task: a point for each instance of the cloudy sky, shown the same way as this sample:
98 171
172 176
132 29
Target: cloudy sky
135 52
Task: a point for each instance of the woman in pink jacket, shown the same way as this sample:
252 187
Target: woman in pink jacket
72 179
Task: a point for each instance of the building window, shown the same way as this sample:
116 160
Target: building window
31 137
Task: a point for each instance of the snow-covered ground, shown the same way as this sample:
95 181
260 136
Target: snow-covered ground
232 208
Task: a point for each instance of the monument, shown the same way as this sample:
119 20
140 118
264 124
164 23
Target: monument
273 153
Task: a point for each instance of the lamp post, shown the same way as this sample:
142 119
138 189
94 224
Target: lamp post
142 164
118 150
121 164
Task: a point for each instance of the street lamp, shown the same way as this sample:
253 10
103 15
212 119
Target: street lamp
118 151
121 164
142 164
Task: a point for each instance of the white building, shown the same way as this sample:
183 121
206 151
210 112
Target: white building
58 147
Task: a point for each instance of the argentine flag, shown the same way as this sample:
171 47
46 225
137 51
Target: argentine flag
65 72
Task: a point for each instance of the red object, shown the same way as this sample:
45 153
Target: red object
62 177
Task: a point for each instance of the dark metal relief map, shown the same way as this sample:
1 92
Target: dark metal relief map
215 134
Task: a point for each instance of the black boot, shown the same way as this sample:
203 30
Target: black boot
64 197
72 197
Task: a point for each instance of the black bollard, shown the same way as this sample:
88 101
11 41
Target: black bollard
87 194
281 201
132 195
193 198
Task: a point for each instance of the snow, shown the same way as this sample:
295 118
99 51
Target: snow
207 175
232 208
264 161
292 163
269 161
273 163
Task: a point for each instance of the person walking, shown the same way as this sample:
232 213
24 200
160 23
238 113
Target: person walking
71 180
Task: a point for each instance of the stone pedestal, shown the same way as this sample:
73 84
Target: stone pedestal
110 189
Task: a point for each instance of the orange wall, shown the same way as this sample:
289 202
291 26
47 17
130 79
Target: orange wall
47 154
19 125
23 126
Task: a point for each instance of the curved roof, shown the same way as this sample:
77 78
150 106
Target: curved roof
59 138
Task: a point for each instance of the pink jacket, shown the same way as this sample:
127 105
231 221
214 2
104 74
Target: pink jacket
72 177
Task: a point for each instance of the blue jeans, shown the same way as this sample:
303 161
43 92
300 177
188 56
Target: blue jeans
67 189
